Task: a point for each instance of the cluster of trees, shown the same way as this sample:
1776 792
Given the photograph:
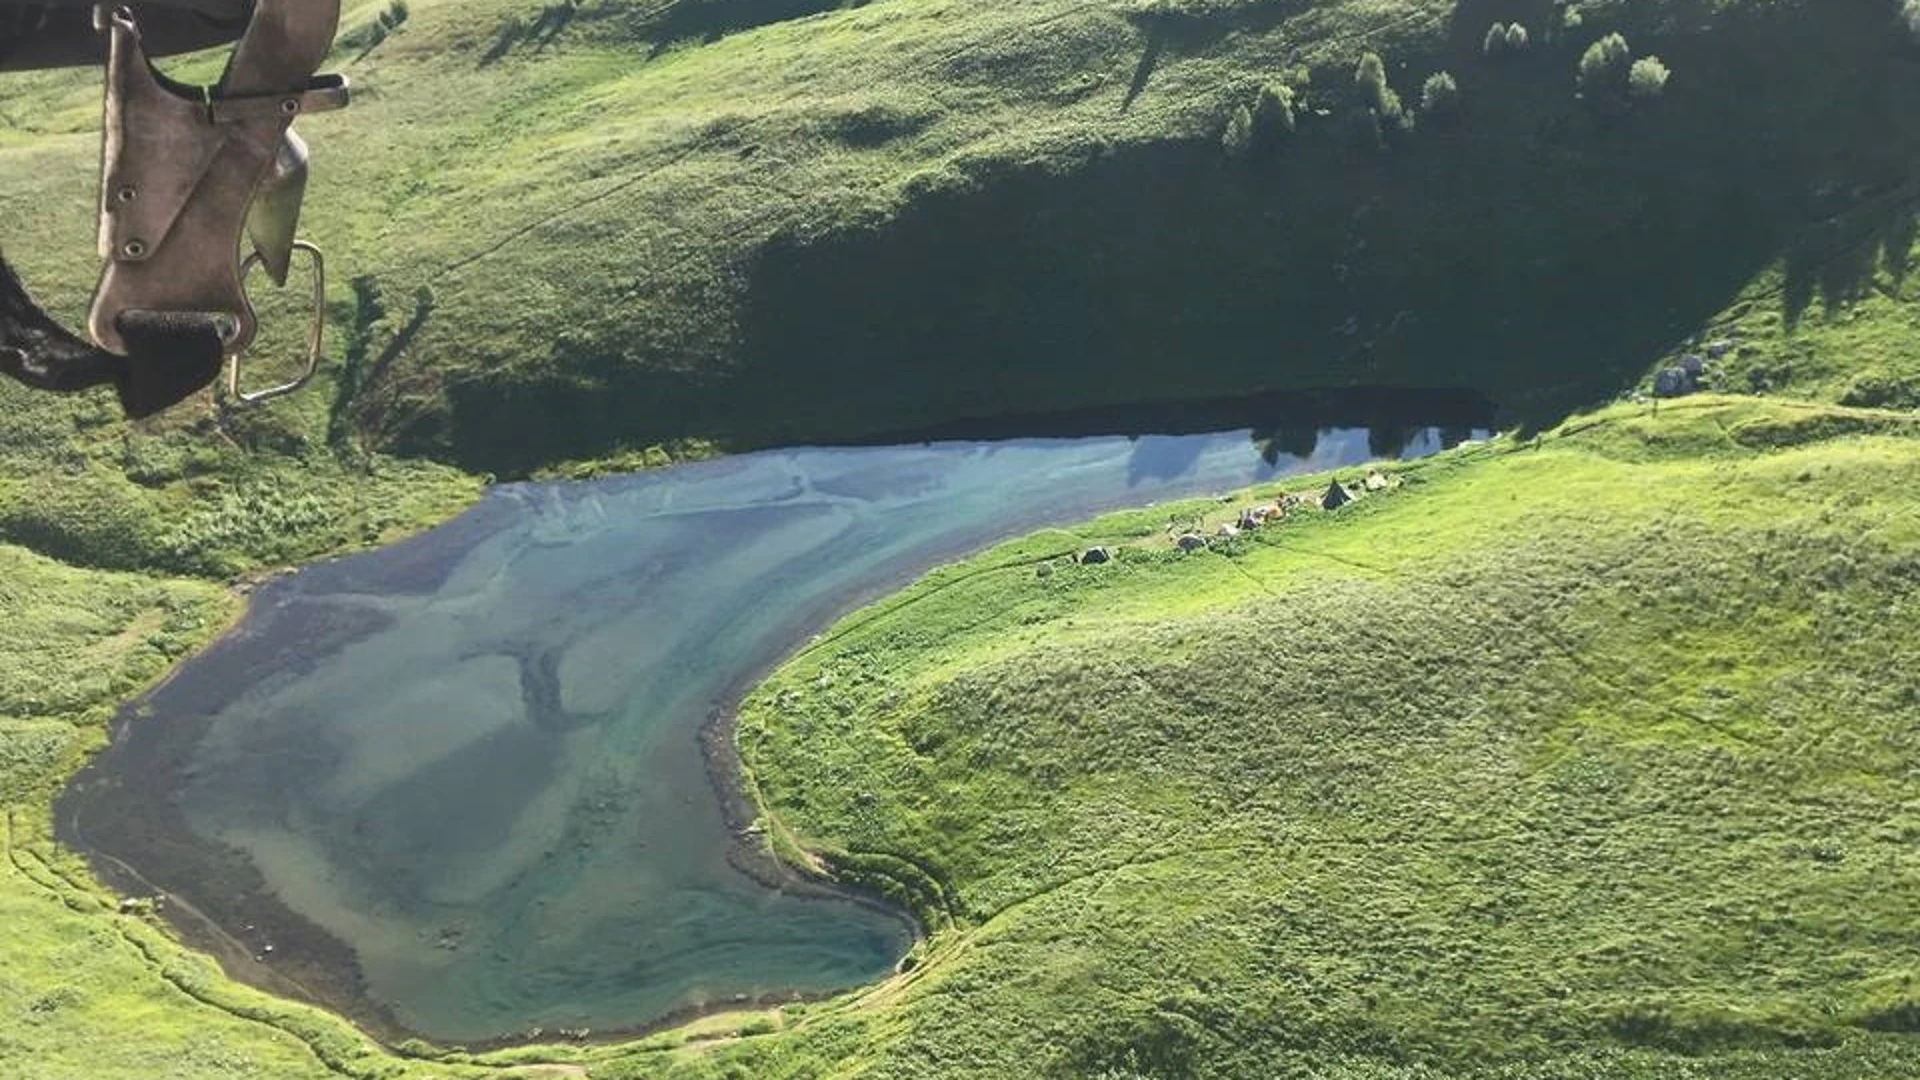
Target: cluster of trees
1504 40
1608 73
1384 120
1379 120
1440 95
1608 78
1262 128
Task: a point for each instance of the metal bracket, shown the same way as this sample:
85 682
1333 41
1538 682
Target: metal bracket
315 331
186 171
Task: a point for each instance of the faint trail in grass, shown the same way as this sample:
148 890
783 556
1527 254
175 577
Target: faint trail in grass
1552 636
1105 871
239 948
570 209
566 211
1258 583
926 594
159 965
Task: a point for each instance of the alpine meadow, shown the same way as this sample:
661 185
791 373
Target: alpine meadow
1589 748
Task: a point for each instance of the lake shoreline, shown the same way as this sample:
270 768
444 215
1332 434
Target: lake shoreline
310 964
292 623
307 964
1375 407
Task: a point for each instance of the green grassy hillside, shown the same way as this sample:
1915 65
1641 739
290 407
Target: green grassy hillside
718 220
1562 757
1584 757
581 231
1590 755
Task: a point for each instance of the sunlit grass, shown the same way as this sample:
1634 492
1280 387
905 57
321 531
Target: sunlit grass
1553 751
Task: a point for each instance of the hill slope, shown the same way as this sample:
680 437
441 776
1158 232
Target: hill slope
1562 752
577 233
1430 788
1586 755
759 221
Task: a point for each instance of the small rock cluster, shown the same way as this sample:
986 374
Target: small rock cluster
1687 374
1193 535
1251 518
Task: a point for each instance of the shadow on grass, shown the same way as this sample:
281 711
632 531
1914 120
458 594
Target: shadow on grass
359 399
1191 32
1835 259
538 33
1149 59
711 20
1531 253
656 27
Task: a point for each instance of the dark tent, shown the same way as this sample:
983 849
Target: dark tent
1335 498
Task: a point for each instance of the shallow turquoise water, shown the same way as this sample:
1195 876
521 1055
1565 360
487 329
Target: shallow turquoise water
489 783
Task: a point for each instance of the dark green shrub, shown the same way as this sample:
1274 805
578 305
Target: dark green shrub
878 123
1904 1016
1602 76
1273 118
1647 78
1371 77
1776 433
1440 95
1875 389
1910 15
1391 118
361 40
94 519
1701 1028
1238 137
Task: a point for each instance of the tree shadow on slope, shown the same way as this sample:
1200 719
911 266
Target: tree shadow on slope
711 20
537 33
660 26
1835 259
1163 27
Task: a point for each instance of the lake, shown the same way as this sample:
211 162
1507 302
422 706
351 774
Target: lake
457 787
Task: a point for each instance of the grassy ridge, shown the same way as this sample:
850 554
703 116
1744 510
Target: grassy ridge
1600 744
